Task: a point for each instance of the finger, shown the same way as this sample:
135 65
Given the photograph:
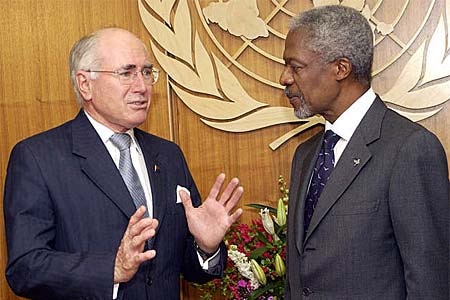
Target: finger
228 191
138 241
144 256
142 225
233 201
137 216
215 189
134 219
236 215
154 224
145 234
186 200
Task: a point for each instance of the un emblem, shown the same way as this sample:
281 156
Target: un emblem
411 45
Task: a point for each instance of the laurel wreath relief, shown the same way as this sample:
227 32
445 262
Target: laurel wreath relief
211 90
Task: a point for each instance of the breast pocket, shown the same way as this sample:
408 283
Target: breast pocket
175 209
355 206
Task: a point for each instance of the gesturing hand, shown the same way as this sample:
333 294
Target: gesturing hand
209 222
130 254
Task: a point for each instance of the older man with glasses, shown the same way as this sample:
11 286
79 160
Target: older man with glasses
98 209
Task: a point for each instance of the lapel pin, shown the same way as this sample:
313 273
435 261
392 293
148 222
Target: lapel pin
356 161
156 169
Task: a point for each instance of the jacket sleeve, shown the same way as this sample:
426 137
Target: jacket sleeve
419 205
192 269
34 268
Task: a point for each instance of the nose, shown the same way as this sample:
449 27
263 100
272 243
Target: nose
286 77
138 83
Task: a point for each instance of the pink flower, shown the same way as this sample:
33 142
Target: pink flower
242 283
247 239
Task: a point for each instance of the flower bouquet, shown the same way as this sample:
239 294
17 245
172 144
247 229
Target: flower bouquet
256 254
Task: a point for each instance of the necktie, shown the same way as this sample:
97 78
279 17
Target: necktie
122 141
322 171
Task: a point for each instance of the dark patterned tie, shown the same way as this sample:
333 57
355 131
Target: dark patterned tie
122 141
322 171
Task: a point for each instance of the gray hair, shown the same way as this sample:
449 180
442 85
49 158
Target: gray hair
84 56
336 31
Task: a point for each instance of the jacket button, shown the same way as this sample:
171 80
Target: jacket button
306 291
149 280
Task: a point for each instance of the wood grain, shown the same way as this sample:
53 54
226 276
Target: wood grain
36 95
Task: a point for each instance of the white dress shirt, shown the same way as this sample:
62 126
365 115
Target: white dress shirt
349 120
137 158
138 161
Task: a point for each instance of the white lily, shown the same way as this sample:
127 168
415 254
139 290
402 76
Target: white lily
268 223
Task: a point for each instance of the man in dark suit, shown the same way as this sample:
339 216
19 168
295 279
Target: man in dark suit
378 228
73 229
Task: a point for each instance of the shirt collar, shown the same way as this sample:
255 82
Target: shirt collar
105 133
347 122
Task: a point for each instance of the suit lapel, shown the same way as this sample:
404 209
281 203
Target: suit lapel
343 175
301 188
156 173
98 164
351 162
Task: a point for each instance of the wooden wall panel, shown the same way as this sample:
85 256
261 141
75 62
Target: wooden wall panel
36 94
35 89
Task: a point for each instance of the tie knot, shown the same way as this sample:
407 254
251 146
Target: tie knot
330 139
121 140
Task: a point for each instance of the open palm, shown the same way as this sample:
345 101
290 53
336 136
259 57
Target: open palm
209 222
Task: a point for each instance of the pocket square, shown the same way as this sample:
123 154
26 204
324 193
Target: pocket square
181 188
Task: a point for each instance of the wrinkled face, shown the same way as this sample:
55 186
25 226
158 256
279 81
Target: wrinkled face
116 105
310 84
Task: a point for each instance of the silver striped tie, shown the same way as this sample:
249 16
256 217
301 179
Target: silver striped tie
122 141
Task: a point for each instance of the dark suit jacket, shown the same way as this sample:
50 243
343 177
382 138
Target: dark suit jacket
66 208
381 226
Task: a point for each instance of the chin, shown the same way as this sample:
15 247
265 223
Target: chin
135 122
302 113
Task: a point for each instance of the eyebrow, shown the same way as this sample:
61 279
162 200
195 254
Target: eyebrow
131 66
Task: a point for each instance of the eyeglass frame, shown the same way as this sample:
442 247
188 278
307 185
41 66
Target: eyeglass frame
120 73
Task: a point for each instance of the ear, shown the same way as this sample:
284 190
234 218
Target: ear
84 83
343 68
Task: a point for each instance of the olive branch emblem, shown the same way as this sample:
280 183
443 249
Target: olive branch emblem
414 92
212 91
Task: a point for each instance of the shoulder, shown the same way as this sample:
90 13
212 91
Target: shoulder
404 130
157 146
409 142
156 142
51 137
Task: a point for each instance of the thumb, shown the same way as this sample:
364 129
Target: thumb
185 199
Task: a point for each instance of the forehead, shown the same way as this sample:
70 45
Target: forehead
121 48
296 47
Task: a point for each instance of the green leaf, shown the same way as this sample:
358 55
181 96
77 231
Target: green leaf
258 252
263 238
262 206
271 285
276 227
279 229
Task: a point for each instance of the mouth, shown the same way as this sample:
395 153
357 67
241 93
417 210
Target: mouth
138 103
293 97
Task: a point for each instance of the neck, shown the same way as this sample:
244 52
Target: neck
349 93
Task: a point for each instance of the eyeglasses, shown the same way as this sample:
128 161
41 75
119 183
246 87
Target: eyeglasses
127 77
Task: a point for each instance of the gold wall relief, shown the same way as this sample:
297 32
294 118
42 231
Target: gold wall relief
411 66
